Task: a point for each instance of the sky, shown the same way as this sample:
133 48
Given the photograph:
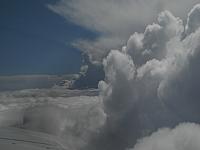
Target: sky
149 52
48 36
35 40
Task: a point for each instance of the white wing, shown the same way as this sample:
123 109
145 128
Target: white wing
19 139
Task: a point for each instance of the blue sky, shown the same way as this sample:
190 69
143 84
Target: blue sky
34 40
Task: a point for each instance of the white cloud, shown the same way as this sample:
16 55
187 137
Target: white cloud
185 136
193 21
98 48
120 72
115 19
118 65
152 82
73 119
152 43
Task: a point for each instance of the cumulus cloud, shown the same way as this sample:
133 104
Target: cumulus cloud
152 82
185 136
115 20
152 43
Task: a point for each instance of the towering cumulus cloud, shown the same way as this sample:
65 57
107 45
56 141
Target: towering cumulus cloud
115 20
153 82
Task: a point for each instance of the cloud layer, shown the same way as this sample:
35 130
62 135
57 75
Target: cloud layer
73 119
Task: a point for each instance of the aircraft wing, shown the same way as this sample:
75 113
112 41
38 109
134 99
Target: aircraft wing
20 139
